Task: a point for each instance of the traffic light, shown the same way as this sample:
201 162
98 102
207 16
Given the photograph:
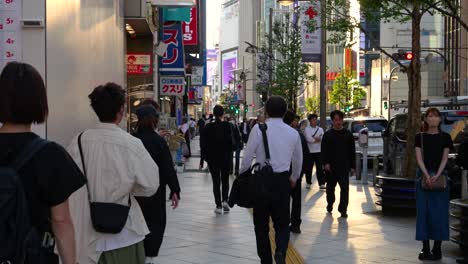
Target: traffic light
385 105
347 109
246 108
403 55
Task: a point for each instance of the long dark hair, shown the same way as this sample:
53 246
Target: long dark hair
431 110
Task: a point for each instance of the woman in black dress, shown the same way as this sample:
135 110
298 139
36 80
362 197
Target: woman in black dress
154 208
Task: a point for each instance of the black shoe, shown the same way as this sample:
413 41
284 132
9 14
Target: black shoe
344 215
295 229
436 254
280 258
329 209
425 255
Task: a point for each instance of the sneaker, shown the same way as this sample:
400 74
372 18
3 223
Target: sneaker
323 187
308 186
218 210
295 229
150 260
226 208
280 258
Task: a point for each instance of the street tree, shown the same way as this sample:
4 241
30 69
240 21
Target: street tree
340 24
347 92
290 74
313 104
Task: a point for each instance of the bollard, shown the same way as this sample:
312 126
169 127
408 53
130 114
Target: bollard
464 188
364 166
358 166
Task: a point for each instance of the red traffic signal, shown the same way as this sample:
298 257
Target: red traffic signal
409 56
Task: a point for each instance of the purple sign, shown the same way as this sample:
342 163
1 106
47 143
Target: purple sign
229 65
212 54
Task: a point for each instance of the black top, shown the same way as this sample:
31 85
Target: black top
434 145
217 143
49 178
158 149
201 124
236 137
305 147
338 149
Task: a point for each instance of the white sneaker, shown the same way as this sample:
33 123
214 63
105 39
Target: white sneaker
308 186
150 260
218 210
226 208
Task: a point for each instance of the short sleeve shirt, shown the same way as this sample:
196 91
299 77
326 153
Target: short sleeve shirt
49 178
433 146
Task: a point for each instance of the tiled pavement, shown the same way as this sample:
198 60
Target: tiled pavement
195 234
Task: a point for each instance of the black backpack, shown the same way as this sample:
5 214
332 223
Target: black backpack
19 240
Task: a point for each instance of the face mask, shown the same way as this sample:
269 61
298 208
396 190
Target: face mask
433 121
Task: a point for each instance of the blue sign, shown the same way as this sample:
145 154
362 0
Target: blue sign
173 61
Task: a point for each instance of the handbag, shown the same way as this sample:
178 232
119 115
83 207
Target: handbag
249 189
107 218
440 184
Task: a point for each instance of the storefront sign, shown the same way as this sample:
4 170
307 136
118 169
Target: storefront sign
139 64
311 39
229 64
197 75
190 29
172 86
173 2
173 60
10 31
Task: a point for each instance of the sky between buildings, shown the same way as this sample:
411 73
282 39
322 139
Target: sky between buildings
213 17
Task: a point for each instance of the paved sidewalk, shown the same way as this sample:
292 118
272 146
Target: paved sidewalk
196 235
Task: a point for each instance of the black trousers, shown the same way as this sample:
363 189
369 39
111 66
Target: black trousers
296 196
275 205
220 176
187 140
341 178
314 159
154 211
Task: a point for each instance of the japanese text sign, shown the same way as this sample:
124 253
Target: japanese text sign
173 60
190 29
139 64
172 86
10 31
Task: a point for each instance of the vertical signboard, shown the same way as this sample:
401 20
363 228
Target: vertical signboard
229 65
190 29
10 31
311 38
173 60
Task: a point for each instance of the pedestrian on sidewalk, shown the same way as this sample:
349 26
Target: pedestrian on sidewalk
286 161
185 130
118 168
217 147
432 221
201 126
47 176
245 130
192 127
338 157
154 207
313 135
237 146
292 120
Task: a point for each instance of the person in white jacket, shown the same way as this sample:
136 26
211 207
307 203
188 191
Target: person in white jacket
117 166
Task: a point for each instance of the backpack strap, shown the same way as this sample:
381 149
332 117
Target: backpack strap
263 128
28 153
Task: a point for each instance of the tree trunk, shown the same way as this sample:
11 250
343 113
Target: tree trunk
414 95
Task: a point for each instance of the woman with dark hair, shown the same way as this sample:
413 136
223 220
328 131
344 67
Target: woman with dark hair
47 178
217 148
154 207
432 197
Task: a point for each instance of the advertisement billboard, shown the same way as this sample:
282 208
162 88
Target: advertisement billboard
229 65
173 60
190 29
139 63
311 39
197 75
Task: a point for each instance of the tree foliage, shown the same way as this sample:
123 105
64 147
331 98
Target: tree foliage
313 104
290 74
347 91
340 23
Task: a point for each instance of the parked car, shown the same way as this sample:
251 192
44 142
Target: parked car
454 122
375 125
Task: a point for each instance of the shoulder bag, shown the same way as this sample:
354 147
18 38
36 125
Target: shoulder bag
440 184
107 218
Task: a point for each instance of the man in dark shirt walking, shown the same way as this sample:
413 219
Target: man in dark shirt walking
338 157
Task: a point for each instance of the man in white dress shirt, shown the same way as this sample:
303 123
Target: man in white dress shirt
313 135
117 167
286 153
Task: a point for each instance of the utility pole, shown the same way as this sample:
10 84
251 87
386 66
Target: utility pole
323 66
270 51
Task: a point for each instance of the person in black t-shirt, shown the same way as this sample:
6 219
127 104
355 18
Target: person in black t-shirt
338 156
432 221
51 176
